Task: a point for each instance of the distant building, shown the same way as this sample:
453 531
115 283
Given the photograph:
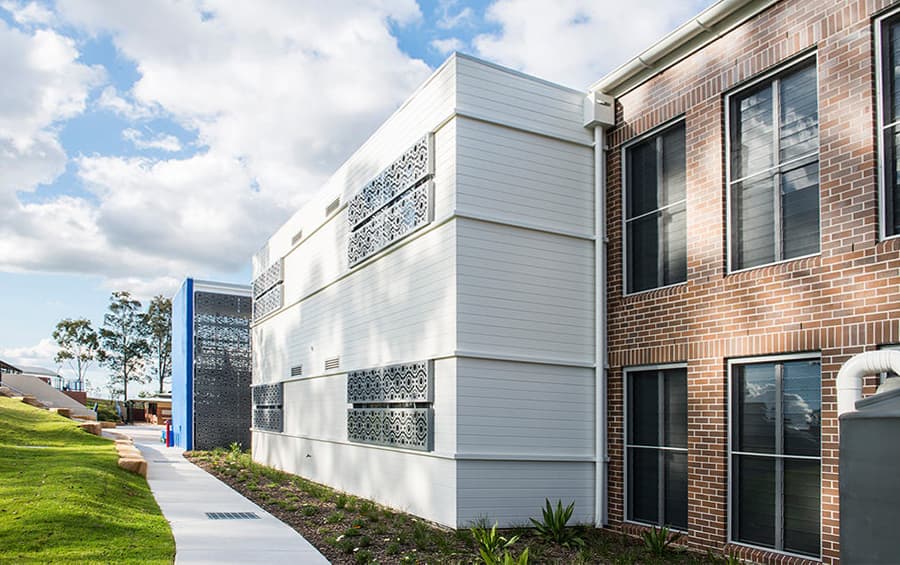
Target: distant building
7 368
211 365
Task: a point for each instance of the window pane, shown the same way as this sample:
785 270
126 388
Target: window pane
800 210
892 77
641 179
643 253
892 171
675 244
676 490
754 493
754 222
675 428
801 506
802 407
673 165
754 395
643 408
799 116
643 481
752 142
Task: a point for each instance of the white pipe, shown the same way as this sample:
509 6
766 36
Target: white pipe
600 357
850 377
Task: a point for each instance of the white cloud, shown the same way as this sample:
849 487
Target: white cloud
109 99
450 17
575 42
447 46
40 354
30 13
162 141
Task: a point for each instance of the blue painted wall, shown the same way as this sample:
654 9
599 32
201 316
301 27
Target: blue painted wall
182 364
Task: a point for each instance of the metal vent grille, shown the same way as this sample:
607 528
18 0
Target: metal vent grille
297 237
232 516
333 206
333 363
297 371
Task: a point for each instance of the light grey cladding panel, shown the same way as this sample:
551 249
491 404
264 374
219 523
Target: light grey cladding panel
524 293
524 408
524 102
523 178
510 492
407 428
406 382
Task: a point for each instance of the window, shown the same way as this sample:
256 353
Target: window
776 454
656 447
655 227
774 169
889 81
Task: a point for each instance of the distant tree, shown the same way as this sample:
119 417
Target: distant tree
124 338
79 345
159 320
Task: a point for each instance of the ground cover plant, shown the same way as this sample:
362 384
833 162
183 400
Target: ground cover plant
347 529
63 498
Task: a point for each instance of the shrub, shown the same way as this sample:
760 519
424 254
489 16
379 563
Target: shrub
490 545
658 540
553 525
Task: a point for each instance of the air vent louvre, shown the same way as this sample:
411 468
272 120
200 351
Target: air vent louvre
297 237
297 371
333 206
333 363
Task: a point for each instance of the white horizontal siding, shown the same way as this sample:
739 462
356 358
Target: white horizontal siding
423 112
400 307
523 178
425 486
522 408
510 492
523 293
511 98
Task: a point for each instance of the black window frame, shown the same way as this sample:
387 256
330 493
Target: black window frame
662 450
655 136
777 168
888 184
777 455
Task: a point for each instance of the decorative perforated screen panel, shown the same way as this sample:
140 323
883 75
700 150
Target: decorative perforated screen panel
269 302
268 407
407 171
221 384
406 382
269 278
393 222
408 428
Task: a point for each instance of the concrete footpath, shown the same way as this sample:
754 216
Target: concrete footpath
185 494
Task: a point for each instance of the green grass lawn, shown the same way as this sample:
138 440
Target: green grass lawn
64 500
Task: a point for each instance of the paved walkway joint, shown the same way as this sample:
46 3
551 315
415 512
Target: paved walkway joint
186 493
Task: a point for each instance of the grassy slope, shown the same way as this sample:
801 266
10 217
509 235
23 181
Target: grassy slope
68 501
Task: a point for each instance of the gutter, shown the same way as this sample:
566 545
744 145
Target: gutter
599 114
699 31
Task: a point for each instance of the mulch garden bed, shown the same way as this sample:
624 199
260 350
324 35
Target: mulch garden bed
350 530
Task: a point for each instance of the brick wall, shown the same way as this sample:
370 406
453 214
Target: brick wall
843 301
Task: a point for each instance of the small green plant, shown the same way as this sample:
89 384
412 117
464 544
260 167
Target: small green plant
553 526
393 548
363 556
341 501
732 559
234 451
489 543
658 540
308 510
509 559
334 517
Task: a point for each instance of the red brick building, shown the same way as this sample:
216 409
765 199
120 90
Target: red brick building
751 190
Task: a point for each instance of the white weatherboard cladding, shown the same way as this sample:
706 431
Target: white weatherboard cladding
431 105
415 483
520 101
398 308
523 293
507 408
509 492
524 178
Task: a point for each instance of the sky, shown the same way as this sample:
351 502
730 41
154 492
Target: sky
143 142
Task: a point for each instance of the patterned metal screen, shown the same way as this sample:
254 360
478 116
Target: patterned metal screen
269 278
392 405
268 290
393 205
268 302
221 370
268 407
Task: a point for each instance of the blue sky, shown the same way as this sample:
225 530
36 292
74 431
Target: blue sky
142 142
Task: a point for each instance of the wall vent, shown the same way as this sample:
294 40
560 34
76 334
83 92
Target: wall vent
335 204
332 364
297 237
297 371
